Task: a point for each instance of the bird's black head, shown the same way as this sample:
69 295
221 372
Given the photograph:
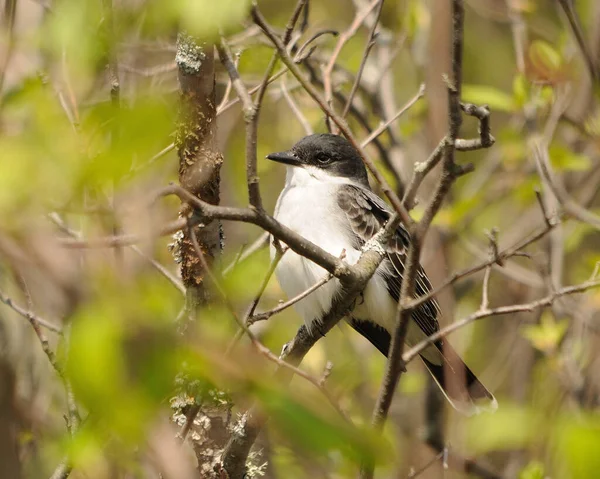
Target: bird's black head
331 153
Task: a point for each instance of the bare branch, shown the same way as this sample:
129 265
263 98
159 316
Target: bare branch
261 242
485 140
251 119
35 321
384 126
540 201
248 316
359 18
112 61
480 314
225 98
297 113
283 306
432 461
10 13
205 213
370 44
58 221
420 172
563 197
573 19
300 55
63 470
503 255
252 91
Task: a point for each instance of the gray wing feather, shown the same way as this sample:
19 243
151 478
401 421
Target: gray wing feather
367 213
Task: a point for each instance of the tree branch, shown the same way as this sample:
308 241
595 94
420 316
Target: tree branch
485 313
34 320
395 364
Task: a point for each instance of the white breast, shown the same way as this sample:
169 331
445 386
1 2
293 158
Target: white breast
308 206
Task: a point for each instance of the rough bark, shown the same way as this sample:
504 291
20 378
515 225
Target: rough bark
199 172
199 159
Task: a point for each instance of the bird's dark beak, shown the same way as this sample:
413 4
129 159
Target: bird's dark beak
285 157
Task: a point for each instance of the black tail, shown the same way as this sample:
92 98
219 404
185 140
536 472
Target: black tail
458 383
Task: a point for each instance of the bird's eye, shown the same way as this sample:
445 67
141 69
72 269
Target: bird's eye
323 158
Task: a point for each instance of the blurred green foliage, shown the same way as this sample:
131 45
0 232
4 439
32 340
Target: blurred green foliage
65 147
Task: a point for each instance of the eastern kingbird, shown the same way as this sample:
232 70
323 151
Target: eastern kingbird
327 199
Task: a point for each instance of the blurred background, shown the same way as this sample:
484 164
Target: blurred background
100 367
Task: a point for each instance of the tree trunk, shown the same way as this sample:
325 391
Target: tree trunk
199 172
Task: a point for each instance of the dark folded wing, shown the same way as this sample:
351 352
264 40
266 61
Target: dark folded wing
367 213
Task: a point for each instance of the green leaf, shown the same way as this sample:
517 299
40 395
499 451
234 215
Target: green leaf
300 421
564 159
544 57
579 440
521 90
203 19
412 383
123 353
547 335
486 95
510 427
533 470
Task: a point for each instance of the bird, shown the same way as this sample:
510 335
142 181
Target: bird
327 199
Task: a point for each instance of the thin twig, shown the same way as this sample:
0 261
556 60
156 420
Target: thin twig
63 470
420 171
10 12
161 269
370 44
540 200
165 151
227 92
254 303
359 18
252 91
297 113
502 255
431 462
59 222
112 61
283 306
278 255
261 242
300 56
190 416
562 196
384 126
480 314
251 110
485 140
35 320
573 19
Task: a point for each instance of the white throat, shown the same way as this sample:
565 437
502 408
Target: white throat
312 176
